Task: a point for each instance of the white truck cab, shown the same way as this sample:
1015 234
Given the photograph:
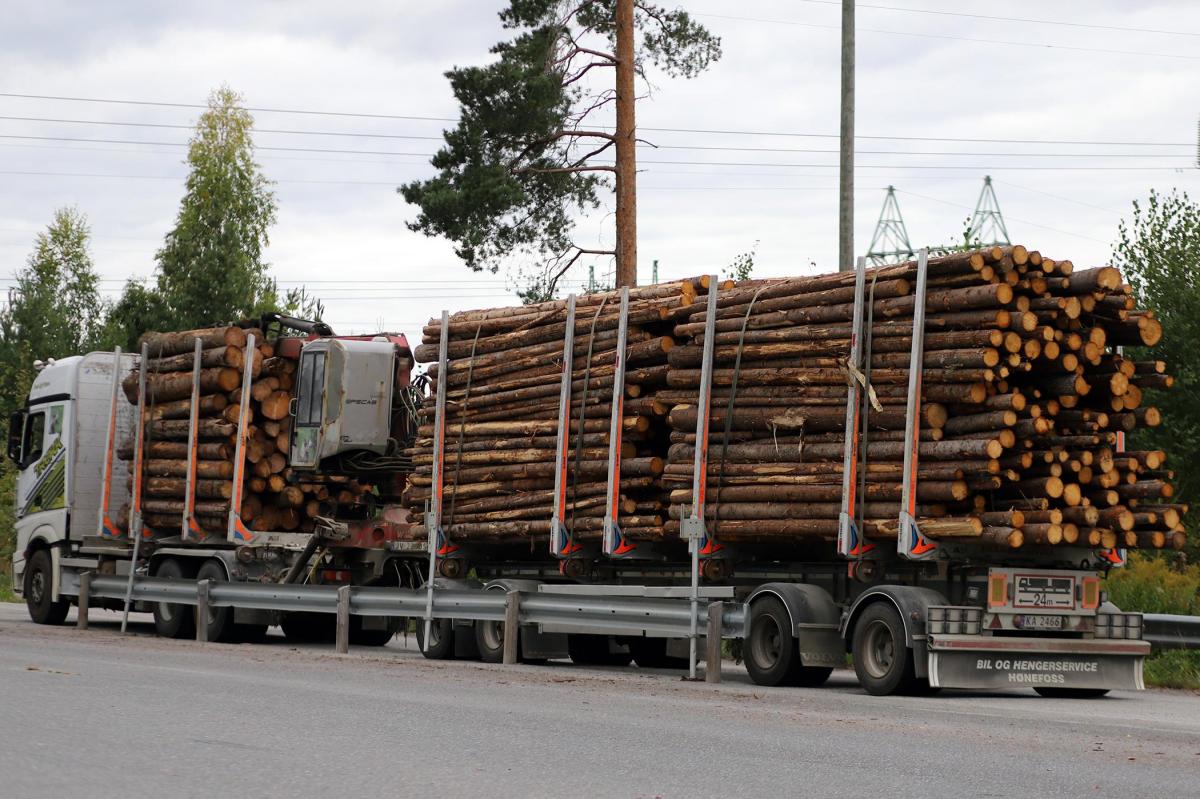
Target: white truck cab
58 442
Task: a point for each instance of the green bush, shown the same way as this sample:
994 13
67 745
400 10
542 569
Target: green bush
1153 585
6 593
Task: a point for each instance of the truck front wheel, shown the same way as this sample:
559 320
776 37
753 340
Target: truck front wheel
172 620
882 659
39 591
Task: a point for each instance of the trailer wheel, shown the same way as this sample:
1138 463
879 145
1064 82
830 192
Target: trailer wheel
220 620
1071 693
489 637
772 655
360 636
595 650
39 591
441 639
171 620
882 659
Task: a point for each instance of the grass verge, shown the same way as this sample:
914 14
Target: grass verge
1176 668
6 592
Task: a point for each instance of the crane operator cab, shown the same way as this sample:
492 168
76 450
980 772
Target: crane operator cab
355 405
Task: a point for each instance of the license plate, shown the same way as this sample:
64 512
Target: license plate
1040 622
1043 591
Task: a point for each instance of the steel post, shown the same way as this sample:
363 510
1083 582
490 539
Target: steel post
910 543
342 643
512 626
614 543
104 524
696 530
560 544
712 654
433 520
135 512
848 534
189 529
202 592
85 596
235 530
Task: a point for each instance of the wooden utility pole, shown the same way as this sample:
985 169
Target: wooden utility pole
846 182
626 149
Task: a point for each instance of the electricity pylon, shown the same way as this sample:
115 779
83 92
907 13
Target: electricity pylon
890 243
987 223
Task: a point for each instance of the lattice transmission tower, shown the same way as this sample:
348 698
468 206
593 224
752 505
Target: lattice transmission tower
890 243
987 223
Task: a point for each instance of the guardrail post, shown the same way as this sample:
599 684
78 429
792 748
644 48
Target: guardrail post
343 620
85 591
202 610
512 626
712 654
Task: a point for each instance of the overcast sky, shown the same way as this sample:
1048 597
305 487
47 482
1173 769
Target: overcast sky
1122 75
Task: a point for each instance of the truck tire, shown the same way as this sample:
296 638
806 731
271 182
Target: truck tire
441 639
359 636
171 620
595 650
771 653
39 591
489 637
220 620
882 659
1071 693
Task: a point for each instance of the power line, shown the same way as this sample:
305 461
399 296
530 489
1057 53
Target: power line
1026 20
255 109
647 144
1006 43
1022 221
706 131
193 127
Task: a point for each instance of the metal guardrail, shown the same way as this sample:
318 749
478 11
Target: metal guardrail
1170 631
613 615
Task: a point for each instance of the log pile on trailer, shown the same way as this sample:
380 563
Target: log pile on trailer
502 409
1023 396
272 498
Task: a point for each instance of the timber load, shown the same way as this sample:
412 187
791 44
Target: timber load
503 386
1026 399
272 497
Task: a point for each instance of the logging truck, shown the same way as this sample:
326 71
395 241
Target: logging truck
1022 618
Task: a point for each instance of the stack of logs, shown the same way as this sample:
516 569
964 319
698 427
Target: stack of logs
272 497
1024 396
502 405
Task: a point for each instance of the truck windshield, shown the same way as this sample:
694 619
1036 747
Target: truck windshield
311 390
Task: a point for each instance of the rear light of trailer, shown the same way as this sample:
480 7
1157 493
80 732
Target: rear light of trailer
1119 625
997 590
954 620
1090 594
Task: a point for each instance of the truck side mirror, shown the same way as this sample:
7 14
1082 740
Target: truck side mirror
16 429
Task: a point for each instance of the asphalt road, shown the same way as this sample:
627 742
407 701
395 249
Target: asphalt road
94 714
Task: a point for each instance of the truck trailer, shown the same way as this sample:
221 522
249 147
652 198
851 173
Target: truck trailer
1035 617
